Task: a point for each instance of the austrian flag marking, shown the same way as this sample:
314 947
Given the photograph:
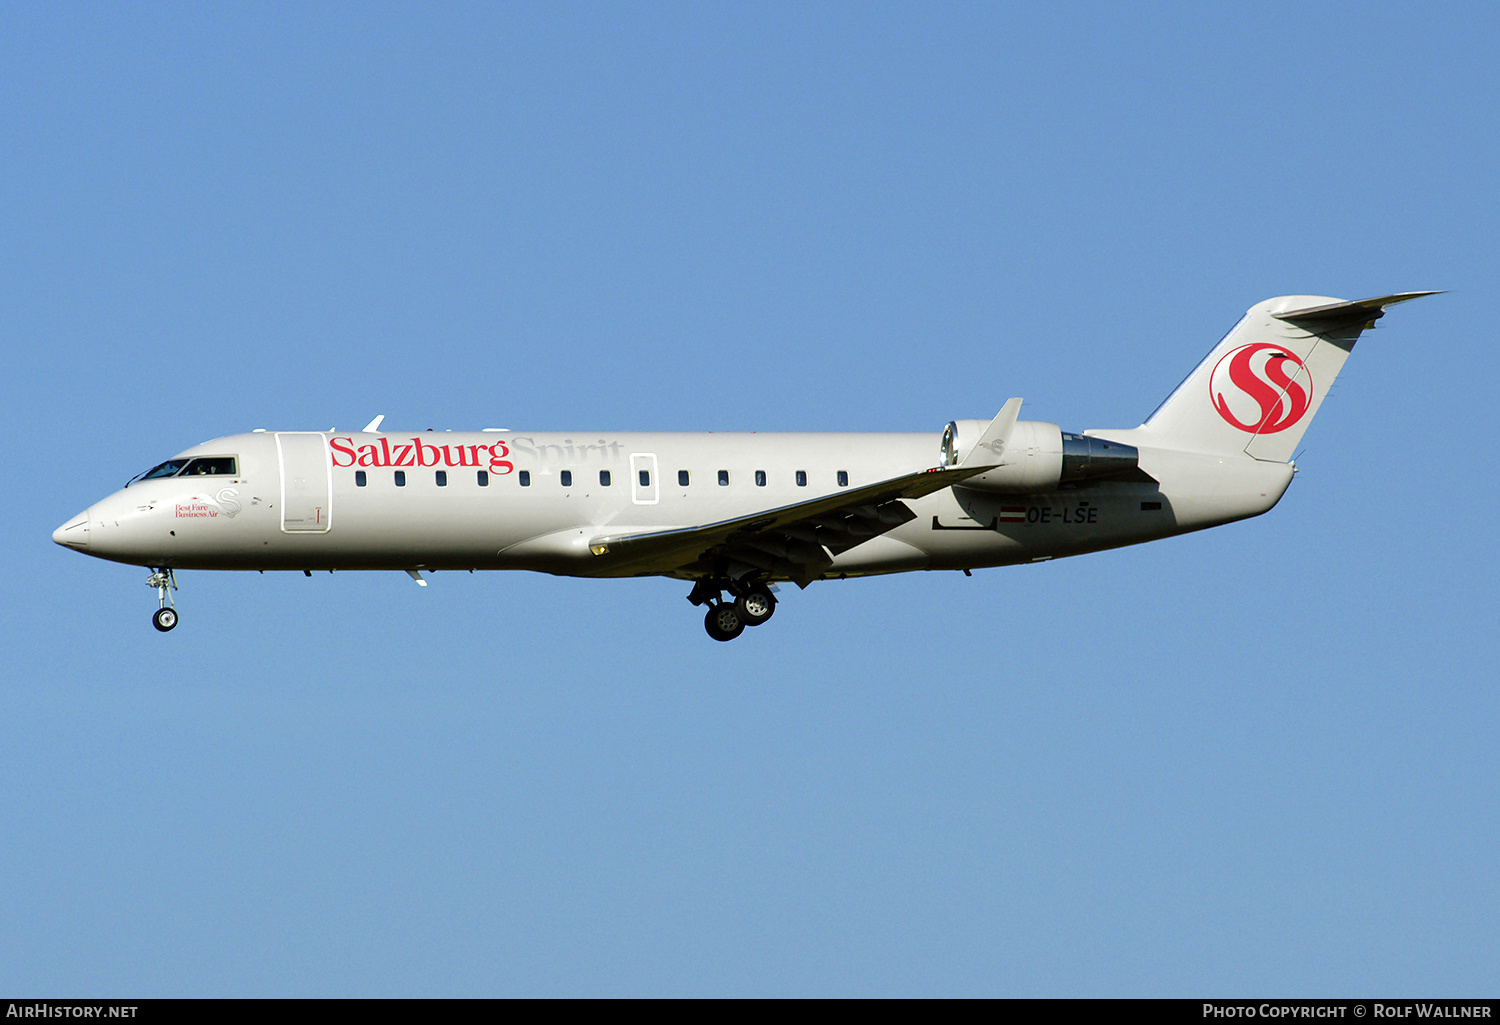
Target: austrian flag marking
1012 514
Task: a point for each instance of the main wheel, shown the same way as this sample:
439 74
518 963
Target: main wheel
164 618
755 606
723 622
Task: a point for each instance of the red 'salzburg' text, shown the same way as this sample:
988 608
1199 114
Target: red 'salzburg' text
419 453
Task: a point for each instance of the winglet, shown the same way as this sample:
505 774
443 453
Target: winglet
991 444
374 425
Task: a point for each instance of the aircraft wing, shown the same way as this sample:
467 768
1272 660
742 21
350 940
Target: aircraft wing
794 541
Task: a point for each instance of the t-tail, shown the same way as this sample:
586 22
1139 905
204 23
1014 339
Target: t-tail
1259 388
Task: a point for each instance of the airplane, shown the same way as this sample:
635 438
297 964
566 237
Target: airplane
739 513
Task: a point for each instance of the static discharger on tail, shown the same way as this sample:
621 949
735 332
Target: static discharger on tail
736 514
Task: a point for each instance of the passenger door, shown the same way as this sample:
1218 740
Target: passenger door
306 483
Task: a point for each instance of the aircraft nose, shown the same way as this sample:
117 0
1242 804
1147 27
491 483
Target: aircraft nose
74 533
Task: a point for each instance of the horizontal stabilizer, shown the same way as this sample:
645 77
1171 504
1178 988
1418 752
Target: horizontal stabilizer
1320 318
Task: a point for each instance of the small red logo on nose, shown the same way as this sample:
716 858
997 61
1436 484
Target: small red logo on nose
1253 390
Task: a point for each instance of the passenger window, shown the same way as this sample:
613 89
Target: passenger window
566 477
645 476
682 478
760 478
359 478
802 478
525 478
484 478
843 478
604 478
400 478
723 478
442 478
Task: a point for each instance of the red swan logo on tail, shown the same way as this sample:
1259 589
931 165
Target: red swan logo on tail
1253 390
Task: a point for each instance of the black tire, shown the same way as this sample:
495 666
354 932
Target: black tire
164 619
723 622
755 606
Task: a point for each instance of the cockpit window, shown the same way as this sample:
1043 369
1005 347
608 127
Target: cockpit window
211 466
167 469
202 466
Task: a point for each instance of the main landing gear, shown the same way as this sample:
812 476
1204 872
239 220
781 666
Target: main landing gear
752 605
165 582
723 622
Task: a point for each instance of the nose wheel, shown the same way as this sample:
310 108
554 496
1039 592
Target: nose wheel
165 582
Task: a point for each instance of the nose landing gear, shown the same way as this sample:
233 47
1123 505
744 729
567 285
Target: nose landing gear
165 582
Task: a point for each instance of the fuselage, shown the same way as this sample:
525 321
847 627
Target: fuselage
533 500
740 512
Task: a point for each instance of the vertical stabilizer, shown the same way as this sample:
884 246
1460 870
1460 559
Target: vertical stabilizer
1259 388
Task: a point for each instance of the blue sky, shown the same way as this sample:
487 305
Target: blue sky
1259 759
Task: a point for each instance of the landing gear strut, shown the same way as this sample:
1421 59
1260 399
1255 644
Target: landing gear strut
165 582
752 605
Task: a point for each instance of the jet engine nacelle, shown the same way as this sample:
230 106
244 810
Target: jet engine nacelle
1038 456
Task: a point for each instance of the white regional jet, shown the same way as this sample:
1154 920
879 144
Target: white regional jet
737 513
